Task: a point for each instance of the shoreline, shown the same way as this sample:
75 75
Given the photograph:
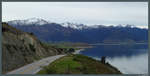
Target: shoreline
115 43
78 51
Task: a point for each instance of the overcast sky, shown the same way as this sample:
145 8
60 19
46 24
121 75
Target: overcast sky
79 12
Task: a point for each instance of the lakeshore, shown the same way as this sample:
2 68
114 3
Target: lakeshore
78 51
117 44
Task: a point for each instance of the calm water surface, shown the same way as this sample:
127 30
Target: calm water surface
129 59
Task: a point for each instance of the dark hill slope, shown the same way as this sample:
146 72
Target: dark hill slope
20 48
55 32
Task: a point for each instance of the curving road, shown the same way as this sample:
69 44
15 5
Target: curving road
36 66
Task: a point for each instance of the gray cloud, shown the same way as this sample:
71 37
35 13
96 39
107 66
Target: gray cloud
79 12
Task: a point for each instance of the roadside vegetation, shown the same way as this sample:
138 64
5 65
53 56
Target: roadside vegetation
78 64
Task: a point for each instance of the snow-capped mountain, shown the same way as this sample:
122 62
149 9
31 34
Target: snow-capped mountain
30 21
38 21
74 25
74 32
131 26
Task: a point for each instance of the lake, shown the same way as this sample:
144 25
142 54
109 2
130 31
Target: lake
129 59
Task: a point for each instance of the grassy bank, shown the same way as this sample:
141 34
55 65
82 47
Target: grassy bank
78 64
66 45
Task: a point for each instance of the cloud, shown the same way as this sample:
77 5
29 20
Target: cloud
79 12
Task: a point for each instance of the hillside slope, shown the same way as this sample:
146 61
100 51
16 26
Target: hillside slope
20 48
79 64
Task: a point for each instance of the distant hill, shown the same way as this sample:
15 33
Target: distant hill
20 48
71 32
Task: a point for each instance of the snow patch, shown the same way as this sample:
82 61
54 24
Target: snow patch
30 21
73 25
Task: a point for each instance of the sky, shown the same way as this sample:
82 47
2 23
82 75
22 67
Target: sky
106 13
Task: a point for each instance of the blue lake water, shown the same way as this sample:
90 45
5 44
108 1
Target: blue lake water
129 59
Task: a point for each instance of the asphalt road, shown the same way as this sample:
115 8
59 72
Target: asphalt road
36 66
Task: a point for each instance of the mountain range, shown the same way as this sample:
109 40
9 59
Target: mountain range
73 32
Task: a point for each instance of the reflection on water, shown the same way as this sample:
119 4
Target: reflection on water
132 59
133 65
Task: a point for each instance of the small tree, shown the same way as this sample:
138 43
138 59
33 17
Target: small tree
31 33
103 59
71 50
